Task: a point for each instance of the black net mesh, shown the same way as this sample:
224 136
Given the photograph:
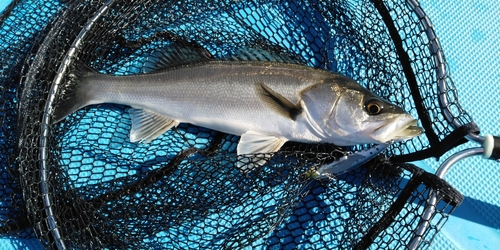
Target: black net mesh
82 184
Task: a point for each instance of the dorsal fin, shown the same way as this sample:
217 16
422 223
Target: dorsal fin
260 52
177 53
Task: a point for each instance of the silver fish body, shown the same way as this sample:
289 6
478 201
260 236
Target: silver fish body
217 95
267 103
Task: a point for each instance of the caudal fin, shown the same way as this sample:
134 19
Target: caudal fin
71 97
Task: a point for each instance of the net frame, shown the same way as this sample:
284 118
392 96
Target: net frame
45 186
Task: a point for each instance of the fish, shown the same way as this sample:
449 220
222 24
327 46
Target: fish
267 103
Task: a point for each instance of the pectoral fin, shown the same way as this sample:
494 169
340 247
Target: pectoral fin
277 102
147 125
256 143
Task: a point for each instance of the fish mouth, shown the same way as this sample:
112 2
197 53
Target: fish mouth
408 131
399 129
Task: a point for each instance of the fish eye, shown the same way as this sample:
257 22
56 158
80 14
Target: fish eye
374 106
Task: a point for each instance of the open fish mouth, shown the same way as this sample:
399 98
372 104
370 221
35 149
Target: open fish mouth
408 131
401 128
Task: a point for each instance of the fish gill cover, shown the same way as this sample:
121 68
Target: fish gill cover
81 183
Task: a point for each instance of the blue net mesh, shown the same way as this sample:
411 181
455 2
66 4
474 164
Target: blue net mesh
81 183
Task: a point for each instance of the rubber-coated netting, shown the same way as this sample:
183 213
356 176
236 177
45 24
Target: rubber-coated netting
82 184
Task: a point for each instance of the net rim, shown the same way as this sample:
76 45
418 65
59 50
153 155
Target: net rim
434 46
46 121
437 53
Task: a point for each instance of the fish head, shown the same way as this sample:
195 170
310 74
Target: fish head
346 114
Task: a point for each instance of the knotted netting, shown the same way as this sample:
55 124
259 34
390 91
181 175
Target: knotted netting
81 183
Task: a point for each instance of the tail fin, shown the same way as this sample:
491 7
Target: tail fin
71 97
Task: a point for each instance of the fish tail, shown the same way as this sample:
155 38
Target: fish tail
72 97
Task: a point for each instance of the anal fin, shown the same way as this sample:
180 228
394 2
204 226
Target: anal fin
147 125
256 143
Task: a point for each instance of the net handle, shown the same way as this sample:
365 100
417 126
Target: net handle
432 201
